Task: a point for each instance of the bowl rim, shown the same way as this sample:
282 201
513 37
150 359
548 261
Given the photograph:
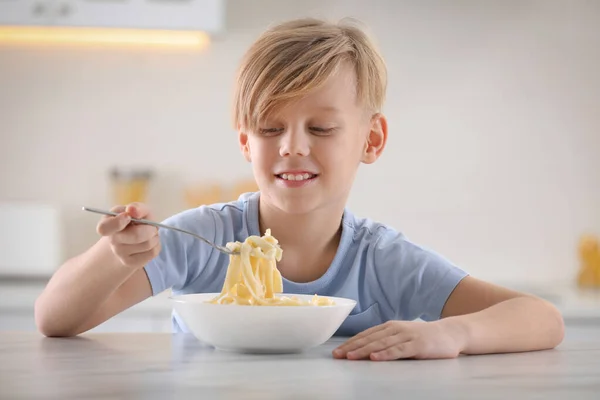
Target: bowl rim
176 298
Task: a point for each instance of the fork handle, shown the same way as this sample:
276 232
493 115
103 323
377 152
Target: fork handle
222 249
114 214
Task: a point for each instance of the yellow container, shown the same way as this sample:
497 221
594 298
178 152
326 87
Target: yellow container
589 256
130 186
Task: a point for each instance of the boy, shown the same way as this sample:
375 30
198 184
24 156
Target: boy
308 111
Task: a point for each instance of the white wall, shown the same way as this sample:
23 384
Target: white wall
492 106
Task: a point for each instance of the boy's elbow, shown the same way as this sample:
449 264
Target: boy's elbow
560 329
557 325
47 325
50 330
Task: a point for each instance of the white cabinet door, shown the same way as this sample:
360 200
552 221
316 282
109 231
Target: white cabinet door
26 12
204 15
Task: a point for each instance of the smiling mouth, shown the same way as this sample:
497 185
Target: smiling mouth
297 177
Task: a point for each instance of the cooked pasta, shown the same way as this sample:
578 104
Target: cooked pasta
253 278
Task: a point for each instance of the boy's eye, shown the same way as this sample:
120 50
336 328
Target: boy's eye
321 131
314 129
270 131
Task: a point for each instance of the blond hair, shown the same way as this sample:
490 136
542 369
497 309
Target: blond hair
294 58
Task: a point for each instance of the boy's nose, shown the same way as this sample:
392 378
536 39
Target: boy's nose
294 144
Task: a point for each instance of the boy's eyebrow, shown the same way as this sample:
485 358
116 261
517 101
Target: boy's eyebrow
331 109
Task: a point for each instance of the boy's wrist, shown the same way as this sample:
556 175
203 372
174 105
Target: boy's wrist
459 328
109 259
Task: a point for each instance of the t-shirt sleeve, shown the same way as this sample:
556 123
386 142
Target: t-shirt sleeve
416 282
182 257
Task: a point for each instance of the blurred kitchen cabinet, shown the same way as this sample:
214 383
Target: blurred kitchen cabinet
20 12
199 15
19 320
121 323
158 322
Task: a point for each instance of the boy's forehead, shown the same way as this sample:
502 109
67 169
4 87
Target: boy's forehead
336 95
341 83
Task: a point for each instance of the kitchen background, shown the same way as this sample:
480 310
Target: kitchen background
493 157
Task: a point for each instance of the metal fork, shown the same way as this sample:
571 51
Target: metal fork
222 249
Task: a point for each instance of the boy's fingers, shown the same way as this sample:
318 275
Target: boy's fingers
376 335
135 234
395 352
360 337
118 209
138 210
110 225
127 250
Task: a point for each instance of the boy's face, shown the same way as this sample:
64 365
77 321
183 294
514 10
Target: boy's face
306 155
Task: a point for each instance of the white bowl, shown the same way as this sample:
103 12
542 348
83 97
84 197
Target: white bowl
261 329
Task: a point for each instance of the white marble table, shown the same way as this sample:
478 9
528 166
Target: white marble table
160 366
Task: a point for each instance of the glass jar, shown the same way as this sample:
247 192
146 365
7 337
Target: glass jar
130 185
589 256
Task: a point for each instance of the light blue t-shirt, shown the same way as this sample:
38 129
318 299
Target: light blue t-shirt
390 277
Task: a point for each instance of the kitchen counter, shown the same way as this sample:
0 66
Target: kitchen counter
155 365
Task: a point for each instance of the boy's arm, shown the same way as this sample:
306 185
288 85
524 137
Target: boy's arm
492 319
127 265
87 290
104 280
466 315
478 318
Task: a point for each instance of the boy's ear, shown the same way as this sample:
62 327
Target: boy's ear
376 139
244 145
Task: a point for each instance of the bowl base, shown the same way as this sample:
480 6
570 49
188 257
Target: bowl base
259 351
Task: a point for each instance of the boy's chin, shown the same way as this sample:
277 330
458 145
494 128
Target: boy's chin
298 205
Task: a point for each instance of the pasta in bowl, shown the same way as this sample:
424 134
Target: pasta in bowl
251 314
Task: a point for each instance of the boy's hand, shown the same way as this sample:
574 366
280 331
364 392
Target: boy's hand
134 245
401 339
